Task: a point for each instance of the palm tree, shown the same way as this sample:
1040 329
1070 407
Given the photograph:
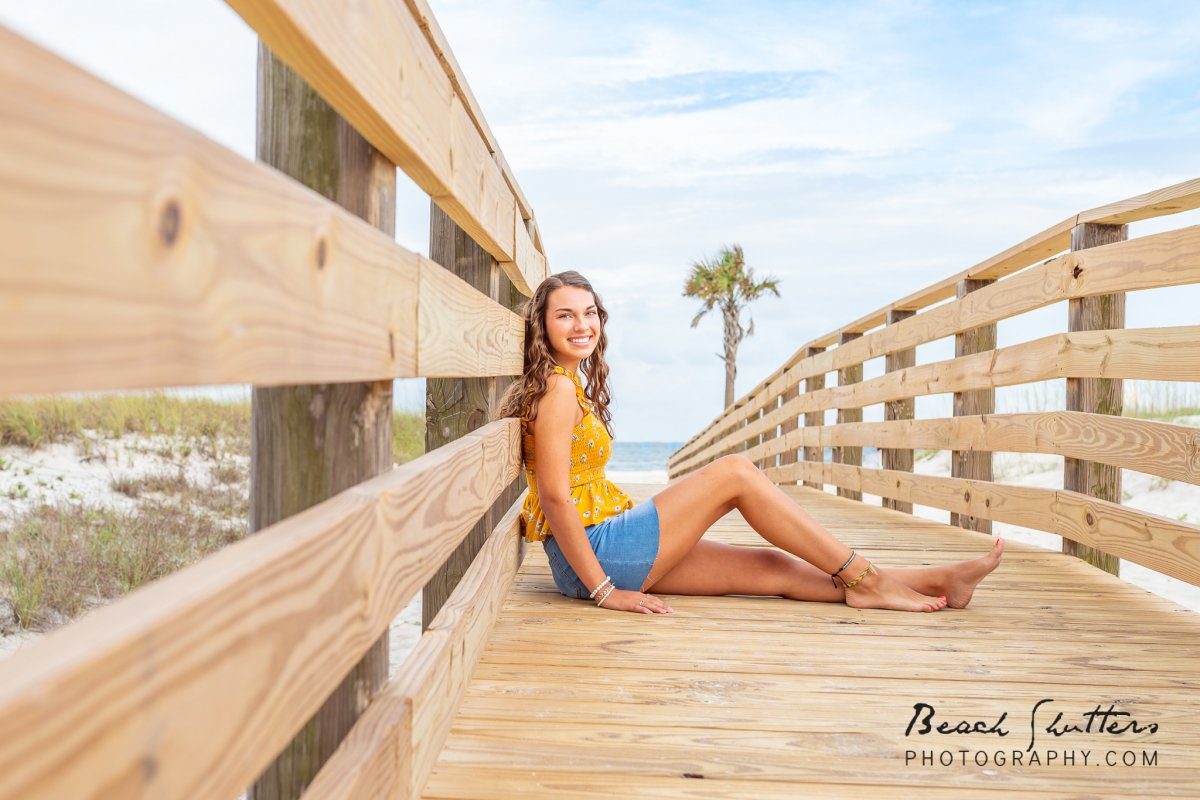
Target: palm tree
727 282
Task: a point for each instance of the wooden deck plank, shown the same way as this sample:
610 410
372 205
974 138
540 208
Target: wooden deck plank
765 697
466 783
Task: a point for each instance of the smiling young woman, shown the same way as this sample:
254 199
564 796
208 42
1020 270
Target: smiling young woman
601 546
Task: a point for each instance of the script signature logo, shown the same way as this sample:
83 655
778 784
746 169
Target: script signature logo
1106 721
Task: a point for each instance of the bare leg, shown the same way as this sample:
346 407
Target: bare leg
715 568
689 508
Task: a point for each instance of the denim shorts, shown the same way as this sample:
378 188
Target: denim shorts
626 546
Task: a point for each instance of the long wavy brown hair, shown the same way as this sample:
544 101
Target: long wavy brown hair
521 399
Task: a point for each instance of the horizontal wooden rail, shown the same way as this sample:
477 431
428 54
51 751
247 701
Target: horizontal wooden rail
1149 262
1156 448
138 253
441 48
1174 199
1162 544
1139 353
188 687
392 748
373 63
461 332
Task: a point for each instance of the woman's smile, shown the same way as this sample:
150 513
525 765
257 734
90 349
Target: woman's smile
572 324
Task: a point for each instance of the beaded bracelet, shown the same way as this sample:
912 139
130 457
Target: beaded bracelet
607 579
604 596
833 577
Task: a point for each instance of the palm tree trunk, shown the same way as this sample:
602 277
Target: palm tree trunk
732 338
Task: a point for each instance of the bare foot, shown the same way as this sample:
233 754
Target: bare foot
961 579
883 591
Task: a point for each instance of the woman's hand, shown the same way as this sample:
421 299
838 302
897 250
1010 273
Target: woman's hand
628 600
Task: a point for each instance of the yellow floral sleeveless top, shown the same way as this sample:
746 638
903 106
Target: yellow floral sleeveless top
593 494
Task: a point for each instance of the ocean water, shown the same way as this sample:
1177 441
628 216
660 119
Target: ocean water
646 462
640 462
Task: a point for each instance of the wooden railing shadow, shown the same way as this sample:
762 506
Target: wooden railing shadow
141 254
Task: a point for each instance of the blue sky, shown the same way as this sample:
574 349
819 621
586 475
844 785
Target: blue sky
858 151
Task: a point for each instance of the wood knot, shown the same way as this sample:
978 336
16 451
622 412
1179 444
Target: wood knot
1091 519
1075 273
987 503
321 253
692 775
169 222
967 496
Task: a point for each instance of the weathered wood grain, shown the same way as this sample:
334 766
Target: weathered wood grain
1156 448
813 419
973 464
441 48
189 686
901 409
1143 353
309 442
467 782
1095 395
371 60
462 331
455 406
847 376
527 253
392 749
176 262
1183 196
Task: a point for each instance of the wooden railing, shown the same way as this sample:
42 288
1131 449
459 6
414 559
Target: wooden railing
140 254
780 423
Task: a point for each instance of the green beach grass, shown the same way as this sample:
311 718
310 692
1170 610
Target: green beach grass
60 558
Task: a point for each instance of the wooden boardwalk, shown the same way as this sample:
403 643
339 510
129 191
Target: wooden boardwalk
770 698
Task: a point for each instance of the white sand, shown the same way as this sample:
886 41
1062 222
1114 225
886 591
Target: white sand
84 473
632 476
77 473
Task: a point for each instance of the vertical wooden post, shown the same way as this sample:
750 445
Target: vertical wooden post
754 441
762 437
745 444
456 406
1095 395
814 419
969 463
841 454
789 424
310 442
768 435
898 458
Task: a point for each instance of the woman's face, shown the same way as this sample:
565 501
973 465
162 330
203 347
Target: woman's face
572 325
